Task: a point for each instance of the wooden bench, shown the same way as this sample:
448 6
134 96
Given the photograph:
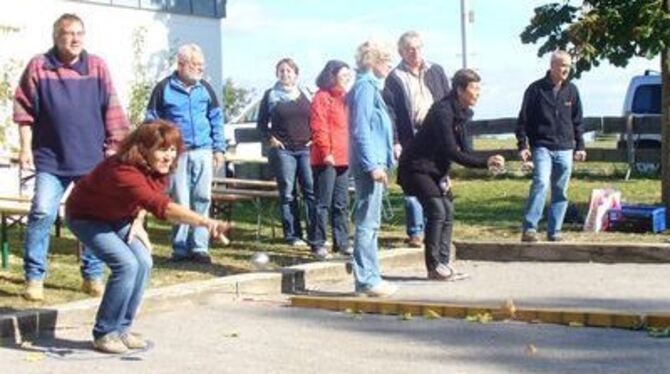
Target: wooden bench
228 191
9 207
13 206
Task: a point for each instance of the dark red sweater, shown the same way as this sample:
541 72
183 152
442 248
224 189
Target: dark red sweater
115 192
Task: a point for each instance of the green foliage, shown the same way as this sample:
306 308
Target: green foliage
235 98
140 88
613 30
9 72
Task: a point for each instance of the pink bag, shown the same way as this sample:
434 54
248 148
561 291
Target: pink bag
602 200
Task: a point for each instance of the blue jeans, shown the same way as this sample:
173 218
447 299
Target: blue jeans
289 167
332 202
414 216
130 264
552 167
367 221
49 190
191 187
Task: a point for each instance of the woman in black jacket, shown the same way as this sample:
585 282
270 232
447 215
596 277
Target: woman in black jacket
424 167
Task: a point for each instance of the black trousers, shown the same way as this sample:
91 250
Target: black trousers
439 215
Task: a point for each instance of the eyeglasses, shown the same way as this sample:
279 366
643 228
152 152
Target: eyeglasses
72 34
197 64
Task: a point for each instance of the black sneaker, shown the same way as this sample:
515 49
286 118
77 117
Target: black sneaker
180 258
201 258
555 238
348 251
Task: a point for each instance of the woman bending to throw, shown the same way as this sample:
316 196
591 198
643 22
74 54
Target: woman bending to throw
105 211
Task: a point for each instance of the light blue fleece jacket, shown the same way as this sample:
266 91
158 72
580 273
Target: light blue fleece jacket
370 128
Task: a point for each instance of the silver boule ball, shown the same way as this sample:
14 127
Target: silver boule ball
260 260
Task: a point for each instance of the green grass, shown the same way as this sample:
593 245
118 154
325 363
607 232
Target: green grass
487 208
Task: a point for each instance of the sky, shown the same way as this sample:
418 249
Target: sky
257 33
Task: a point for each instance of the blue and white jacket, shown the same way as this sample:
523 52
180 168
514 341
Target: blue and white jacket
196 112
370 128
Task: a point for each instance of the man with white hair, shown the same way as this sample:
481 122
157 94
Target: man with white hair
410 90
550 122
190 102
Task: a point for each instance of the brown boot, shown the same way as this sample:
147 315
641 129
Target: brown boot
93 287
133 341
110 344
34 290
415 241
529 236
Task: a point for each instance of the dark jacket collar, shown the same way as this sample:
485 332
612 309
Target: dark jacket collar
550 83
176 82
52 62
461 113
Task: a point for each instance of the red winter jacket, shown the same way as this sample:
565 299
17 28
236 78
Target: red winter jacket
330 127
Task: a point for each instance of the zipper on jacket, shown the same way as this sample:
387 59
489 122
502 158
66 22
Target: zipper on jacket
190 115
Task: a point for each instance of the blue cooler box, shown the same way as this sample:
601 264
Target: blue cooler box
637 218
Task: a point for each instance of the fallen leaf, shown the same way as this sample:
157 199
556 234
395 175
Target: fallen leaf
508 308
405 316
431 314
26 344
479 318
485 318
531 349
658 332
35 357
471 318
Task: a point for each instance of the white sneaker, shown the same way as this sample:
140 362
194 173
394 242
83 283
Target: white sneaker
383 289
299 243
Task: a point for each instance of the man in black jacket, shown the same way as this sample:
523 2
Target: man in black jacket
551 121
410 90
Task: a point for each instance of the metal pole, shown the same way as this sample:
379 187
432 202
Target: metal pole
464 32
5 243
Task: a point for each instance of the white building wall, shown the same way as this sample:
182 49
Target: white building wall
109 33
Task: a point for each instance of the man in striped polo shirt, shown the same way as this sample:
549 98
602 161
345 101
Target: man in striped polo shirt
69 119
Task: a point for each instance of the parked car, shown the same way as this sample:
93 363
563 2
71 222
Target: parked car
643 98
239 130
241 134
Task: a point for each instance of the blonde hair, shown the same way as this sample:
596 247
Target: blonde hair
372 52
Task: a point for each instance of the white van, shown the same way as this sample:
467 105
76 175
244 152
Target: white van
245 122
643 99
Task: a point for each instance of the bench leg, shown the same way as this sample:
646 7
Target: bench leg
259 216
59 223
5 243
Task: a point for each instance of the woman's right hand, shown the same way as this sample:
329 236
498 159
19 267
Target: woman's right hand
275 143
26 161
496 164
218 229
